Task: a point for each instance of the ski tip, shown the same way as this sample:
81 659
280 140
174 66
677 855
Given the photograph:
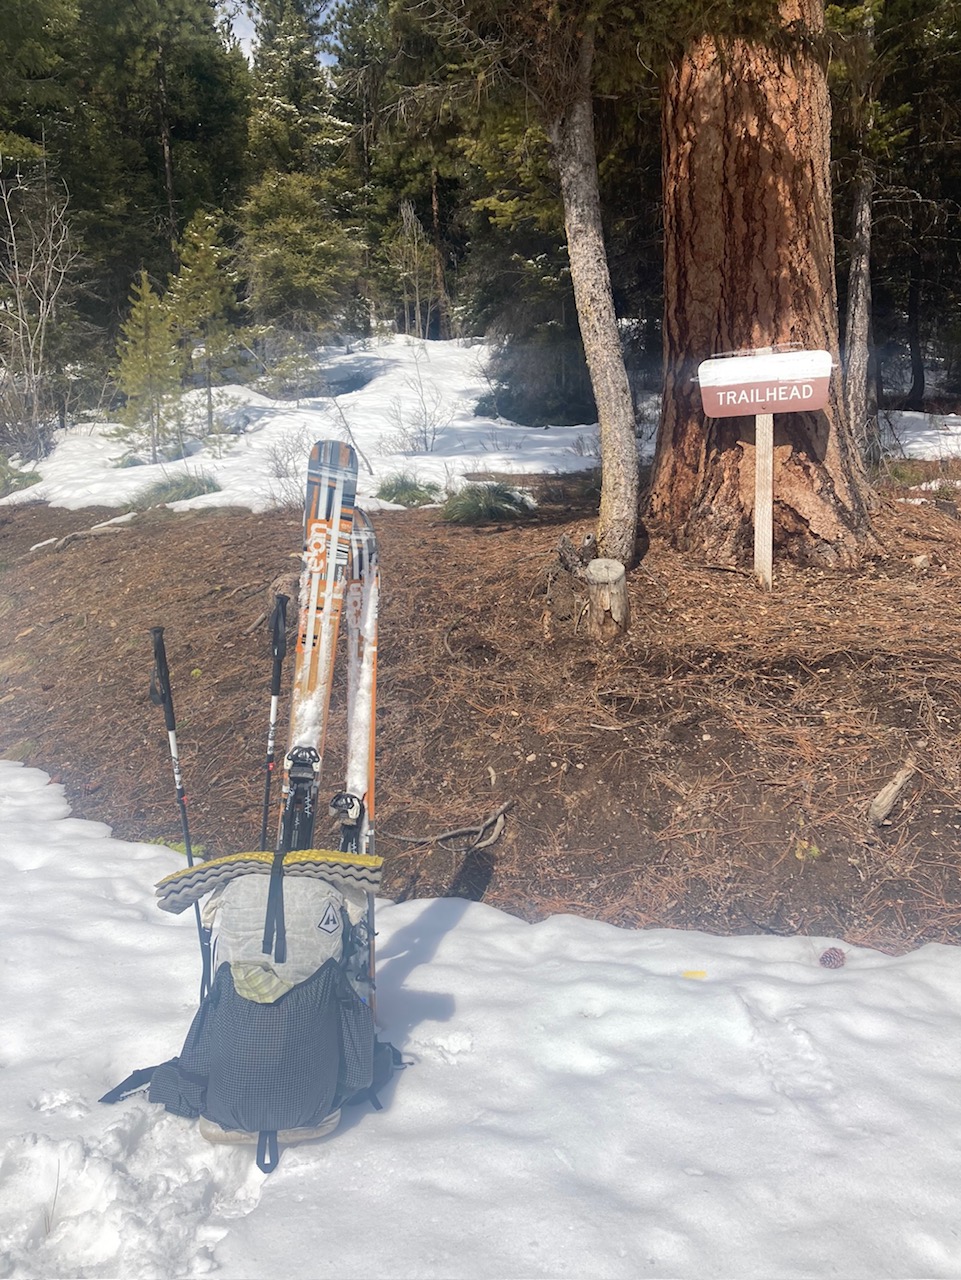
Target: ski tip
335 455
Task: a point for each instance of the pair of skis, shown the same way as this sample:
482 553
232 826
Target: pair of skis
340 579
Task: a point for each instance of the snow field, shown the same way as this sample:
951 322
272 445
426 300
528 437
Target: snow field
418 394
582 1100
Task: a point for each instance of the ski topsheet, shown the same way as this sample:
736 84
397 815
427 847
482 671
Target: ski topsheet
354 806
328 522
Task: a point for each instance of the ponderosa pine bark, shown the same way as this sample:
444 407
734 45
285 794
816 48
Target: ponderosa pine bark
749 262
571 134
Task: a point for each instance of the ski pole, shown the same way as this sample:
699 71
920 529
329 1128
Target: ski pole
161 696
278 647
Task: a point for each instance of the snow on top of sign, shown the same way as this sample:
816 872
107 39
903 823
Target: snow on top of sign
769 366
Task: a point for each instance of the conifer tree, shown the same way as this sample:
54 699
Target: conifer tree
158 129
916 248
545 54
856 77
749 262
291 126
33 34
148 371
199 301
300 249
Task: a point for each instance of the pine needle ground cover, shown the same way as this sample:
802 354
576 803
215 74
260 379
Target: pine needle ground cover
715 769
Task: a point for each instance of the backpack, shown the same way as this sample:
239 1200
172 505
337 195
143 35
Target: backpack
276 1048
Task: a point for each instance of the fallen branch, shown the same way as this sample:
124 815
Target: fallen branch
82 534
344 422
484 833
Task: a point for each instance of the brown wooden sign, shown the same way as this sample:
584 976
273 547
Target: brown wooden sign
766 382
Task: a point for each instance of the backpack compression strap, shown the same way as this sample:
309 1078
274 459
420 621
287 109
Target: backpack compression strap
135 1082
182 888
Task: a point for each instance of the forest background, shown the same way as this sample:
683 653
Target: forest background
180 210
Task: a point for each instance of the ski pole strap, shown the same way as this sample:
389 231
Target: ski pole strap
160 694
275 930
206 959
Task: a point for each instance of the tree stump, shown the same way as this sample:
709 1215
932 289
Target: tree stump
609 612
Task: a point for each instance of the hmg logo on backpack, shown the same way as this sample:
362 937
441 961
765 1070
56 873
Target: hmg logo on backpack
330 922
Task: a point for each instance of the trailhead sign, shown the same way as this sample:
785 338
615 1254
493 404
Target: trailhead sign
768 382
764 383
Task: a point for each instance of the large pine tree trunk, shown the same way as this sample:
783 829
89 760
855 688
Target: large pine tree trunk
749 262
572 138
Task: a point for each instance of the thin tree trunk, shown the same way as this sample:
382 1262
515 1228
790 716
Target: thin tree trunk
749 262
166 145
572 137
915 398
209 389
857 330
440 284
858 406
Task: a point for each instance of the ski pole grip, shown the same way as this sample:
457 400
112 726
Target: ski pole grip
160 684
278 643
278 620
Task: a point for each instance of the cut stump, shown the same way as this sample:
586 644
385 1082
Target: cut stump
609 614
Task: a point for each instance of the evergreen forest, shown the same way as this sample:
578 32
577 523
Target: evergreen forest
178 209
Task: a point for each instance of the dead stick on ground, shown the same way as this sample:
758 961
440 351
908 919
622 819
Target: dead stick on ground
449 632
495 821
889 795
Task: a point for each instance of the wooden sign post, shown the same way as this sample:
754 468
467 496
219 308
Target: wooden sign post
762 383
764 499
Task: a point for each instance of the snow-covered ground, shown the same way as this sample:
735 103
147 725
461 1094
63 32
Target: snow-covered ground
934 436
410 412
414 415
584 1101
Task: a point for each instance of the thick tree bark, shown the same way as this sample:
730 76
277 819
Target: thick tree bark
572 138
749 262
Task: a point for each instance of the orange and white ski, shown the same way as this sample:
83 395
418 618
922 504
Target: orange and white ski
328 522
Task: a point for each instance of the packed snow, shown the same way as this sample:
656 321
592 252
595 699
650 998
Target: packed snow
407 406
581 1100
